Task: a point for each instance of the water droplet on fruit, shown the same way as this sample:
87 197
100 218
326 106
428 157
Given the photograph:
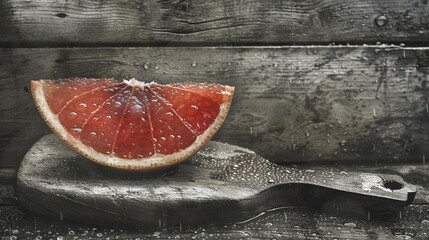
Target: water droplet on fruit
77 130
83 105
73 114
93 133
194 107
163 139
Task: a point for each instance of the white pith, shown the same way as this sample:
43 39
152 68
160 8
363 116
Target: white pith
156 161
134 83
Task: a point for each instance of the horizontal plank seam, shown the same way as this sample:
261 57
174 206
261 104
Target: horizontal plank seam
45 44
385 47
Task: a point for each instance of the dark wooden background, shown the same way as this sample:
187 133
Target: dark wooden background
171 22
299 98
317 80
292 104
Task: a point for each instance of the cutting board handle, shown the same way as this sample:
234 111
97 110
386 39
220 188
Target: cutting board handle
221 183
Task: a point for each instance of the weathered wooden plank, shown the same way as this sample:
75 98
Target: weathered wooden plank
292 104
231 22
416 174
292 223
222 183
7 174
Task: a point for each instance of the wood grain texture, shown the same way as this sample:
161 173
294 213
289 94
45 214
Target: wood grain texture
219 21
292 104
415 174
221 183
289 223
285 223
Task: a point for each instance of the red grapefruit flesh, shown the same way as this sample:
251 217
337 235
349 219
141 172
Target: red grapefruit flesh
132 125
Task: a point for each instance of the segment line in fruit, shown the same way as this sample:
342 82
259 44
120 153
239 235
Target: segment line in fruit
101 105
121 119
166 103
85 93
146 104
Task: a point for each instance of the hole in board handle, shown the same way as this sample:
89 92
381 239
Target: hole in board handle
393 185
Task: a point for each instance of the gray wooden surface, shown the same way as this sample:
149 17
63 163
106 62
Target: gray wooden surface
221 183
285 223
47 23
292 223
292 104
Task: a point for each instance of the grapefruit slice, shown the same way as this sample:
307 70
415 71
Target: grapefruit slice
132 125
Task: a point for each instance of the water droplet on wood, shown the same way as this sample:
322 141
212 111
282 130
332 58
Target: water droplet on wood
146 65
350 224
381 21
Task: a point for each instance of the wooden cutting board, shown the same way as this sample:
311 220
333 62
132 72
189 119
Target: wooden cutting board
221 183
